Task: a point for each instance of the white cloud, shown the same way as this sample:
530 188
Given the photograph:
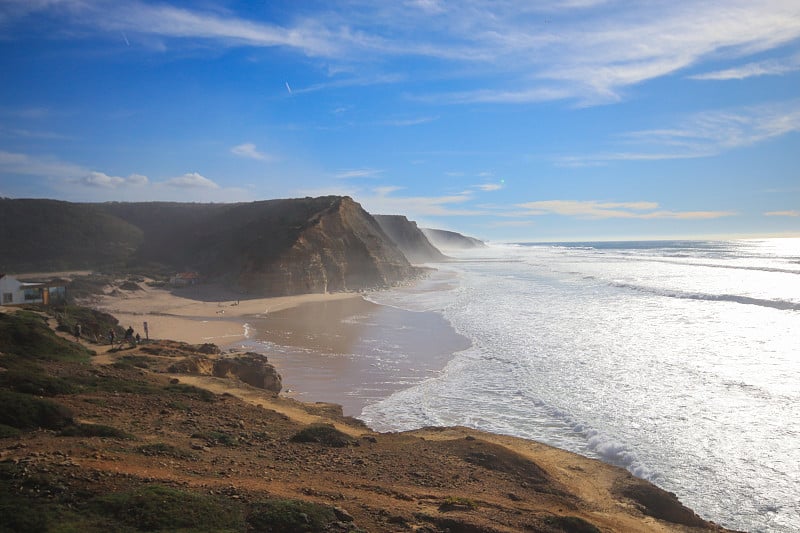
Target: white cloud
249 150
99 179
381 201
594 209
489 187
191 180
793 213
355 173
702 134
41 166
401 123
769 67
514 51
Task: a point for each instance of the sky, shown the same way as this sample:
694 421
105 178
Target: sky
506 120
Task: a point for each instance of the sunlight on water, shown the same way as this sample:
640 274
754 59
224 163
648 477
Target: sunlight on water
677 360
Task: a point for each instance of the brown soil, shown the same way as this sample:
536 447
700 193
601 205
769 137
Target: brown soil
239 445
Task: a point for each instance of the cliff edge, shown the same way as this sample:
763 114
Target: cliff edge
408 237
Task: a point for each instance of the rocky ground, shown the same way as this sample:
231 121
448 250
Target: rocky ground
217 454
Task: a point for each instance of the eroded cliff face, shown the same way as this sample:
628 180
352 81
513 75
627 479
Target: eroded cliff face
340 248
410 239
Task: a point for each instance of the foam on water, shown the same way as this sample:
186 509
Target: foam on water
678 361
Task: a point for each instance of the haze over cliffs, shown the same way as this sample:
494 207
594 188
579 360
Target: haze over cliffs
450 240
408 237
273 247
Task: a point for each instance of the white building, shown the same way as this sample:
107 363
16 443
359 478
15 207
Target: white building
15 292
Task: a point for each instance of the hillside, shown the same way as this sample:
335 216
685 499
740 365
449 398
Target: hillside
274 247
50 235
408 237
450 240
118 442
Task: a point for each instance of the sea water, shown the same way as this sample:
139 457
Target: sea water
679 361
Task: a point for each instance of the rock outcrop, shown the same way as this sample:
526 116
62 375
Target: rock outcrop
250 368
408 237
450 240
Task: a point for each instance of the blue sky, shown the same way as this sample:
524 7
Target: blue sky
508 120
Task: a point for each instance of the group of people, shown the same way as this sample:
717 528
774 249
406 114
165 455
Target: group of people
130 337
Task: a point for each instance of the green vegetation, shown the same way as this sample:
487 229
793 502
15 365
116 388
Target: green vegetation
325 434
23 376
457 503
138 361
7 432
23 411
290 516
191 390
218 437
157 508
95 325
94 430
25 334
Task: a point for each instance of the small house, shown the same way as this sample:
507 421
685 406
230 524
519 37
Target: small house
16 292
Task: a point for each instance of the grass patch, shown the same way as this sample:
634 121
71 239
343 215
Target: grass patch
114 384
289 516
94 324
161 449
191 390
23 411
157 508
137 361
325 434
8 432
26 335
28 378
94 430
457 503
217 437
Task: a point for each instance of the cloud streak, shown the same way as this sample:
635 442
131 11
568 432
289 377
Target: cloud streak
249 151
593 209
523 52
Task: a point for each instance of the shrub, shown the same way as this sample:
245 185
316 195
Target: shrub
158 508
26 334
7 432
23 411
453 503
31 379
191 390
325 434
218 437
289 516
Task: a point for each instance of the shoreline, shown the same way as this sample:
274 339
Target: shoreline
331 348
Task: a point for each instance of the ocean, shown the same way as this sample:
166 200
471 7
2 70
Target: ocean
678 360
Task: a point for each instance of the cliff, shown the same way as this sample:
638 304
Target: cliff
450 240
275 247
408 237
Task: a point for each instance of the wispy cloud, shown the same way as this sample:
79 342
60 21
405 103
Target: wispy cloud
41 166
515 51
192 180
792 213
355 173
702 135
769 67
249 150
409 121
593 209
489 186
99 179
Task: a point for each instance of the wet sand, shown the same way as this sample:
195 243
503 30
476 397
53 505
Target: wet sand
353 352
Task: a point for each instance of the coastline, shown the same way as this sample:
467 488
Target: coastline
330 348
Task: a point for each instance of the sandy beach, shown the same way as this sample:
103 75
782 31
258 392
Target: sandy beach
335 348
200 314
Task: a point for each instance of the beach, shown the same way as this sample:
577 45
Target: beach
337 348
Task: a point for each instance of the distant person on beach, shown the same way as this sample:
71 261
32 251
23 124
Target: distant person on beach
129 335
111 337
138 339
77 332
